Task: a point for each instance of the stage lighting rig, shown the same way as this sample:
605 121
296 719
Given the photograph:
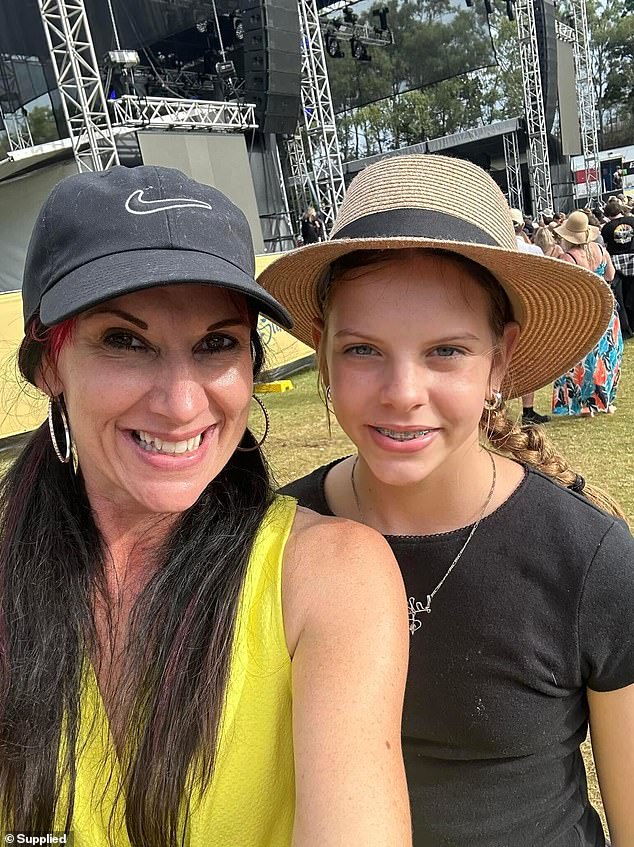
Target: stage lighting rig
226 70
333 47
359 51
122 58
364 34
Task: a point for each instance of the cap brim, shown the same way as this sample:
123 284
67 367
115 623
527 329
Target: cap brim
123 273
548 296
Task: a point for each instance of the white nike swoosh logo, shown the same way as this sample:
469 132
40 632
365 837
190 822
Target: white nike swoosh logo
136 205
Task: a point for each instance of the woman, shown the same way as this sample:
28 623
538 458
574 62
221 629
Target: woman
426 320
545 240
179 664
590 386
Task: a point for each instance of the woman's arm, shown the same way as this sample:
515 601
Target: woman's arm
610 272
347 631
612 730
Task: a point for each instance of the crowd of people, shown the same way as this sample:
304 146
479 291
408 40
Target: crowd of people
602 240
190 657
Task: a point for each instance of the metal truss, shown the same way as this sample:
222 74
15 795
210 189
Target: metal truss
538 159
13 116
586 102
300 178
284 236
77 73
325 162
364 33
513 170
171 112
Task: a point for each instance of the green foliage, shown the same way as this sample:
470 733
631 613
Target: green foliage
432 45
42 124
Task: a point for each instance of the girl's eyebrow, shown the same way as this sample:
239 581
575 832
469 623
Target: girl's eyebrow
462 336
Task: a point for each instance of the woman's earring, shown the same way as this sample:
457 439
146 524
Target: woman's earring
328 394
266 428
65 457
495 404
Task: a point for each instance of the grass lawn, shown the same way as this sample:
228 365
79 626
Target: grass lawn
600 448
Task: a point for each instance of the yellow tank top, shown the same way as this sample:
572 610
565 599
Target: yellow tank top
250 801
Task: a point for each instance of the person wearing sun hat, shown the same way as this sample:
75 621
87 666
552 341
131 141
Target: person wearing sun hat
173 650
427 320
590 385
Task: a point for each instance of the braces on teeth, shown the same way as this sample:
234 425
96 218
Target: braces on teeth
402 436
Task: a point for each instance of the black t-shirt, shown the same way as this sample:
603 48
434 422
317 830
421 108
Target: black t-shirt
618 235
540 606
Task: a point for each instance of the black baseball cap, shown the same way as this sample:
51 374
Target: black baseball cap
100 235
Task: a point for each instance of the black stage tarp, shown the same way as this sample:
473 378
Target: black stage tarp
139 23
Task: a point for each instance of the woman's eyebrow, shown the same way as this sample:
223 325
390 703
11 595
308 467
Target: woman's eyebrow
121 314
237 321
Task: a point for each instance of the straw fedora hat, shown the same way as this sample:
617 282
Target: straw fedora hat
440 203
576 229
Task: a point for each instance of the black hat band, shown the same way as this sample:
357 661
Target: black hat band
415 223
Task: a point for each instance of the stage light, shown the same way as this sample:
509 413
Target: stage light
488 6
510 10
226 70
238 27
349 16
333 48
123 58
201 26
359 51
469 3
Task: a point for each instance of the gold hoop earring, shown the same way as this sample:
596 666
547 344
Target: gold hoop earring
65 457
266 428
495 404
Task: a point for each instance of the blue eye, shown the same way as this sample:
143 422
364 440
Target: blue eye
361 350
448 352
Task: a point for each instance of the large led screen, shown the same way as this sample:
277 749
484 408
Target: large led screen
431 40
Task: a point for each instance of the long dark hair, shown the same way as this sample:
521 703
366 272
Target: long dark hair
52 572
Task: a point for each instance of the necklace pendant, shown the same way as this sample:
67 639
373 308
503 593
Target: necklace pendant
427 606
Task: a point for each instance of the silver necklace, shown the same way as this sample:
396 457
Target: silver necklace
430 597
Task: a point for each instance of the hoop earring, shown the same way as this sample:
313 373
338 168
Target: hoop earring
266 428
495 404
328 394
65 458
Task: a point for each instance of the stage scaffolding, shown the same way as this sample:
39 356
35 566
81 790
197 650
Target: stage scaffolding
323 156
538 159
586 102
513 170
77 74
313 154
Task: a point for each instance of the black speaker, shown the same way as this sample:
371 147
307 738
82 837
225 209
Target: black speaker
547 47
272 62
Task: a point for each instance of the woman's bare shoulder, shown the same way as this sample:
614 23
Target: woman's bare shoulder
329 560
312 534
